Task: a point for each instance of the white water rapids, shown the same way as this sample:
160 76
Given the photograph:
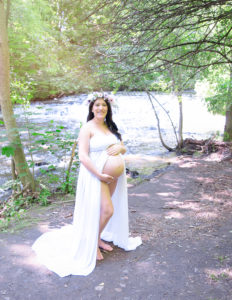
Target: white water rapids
134 117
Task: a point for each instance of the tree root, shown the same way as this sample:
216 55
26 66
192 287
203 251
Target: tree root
191 146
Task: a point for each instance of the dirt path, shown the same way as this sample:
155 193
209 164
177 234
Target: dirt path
184 218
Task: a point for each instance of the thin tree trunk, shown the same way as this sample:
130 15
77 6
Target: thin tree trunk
228 124
158 125
21 165
166 112
13 170
178 93
180 130
70 166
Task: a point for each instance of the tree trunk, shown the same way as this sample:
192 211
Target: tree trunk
180 129
177 92
228 124
67 183
7 12
21 165
158 124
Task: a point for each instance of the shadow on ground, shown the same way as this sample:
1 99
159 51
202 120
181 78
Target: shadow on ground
184 218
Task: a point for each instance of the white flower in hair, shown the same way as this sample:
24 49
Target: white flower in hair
94 96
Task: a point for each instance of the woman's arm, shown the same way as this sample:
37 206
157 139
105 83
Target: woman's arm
123 148
84 158
116 149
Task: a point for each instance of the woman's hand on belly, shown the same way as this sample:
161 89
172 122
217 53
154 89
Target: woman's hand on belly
114 149
106 178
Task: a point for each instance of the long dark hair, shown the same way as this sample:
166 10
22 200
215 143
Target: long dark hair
109 121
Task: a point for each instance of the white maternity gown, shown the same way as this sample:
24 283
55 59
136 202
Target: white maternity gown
72 249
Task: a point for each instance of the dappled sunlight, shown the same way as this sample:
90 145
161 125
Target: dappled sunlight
143 195
216 157
189 164
20 249
219 274
223 196
42 228
149 215
207 215
207 197
174 203
170 194
183 205
173 185
191 205
202 193
144 266
49 226
228 205
174 215
206 180
23 255
218 198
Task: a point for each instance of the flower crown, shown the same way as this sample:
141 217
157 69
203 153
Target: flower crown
105 96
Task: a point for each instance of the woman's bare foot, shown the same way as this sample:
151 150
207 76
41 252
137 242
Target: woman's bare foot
99 254
104 246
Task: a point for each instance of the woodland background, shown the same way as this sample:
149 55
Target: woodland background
63 47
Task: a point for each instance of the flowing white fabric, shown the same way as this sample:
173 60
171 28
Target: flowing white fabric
72 249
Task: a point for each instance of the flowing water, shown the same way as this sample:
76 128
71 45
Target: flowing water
134 117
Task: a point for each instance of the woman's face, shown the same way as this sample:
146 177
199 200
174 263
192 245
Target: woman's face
100 109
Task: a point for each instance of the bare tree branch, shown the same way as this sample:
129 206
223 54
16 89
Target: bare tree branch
158 124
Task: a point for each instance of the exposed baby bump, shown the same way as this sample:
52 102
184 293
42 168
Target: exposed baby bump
114 166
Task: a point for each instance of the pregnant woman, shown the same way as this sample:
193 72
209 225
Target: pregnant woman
101 209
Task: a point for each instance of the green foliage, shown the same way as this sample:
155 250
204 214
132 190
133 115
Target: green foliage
11 184
226 137
52 140
57 141
8 151
16 206
68 186
221 258
63 47
215 88
218 277
43 196
47 41
21 93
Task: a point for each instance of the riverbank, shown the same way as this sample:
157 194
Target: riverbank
184 218
54 124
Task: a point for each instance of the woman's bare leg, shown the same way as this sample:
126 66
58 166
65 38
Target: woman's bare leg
112 186
101 243
105 214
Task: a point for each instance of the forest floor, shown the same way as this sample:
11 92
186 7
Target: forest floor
183 215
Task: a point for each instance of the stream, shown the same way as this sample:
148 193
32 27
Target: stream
134 117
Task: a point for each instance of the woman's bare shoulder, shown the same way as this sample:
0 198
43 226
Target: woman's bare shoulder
86 129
